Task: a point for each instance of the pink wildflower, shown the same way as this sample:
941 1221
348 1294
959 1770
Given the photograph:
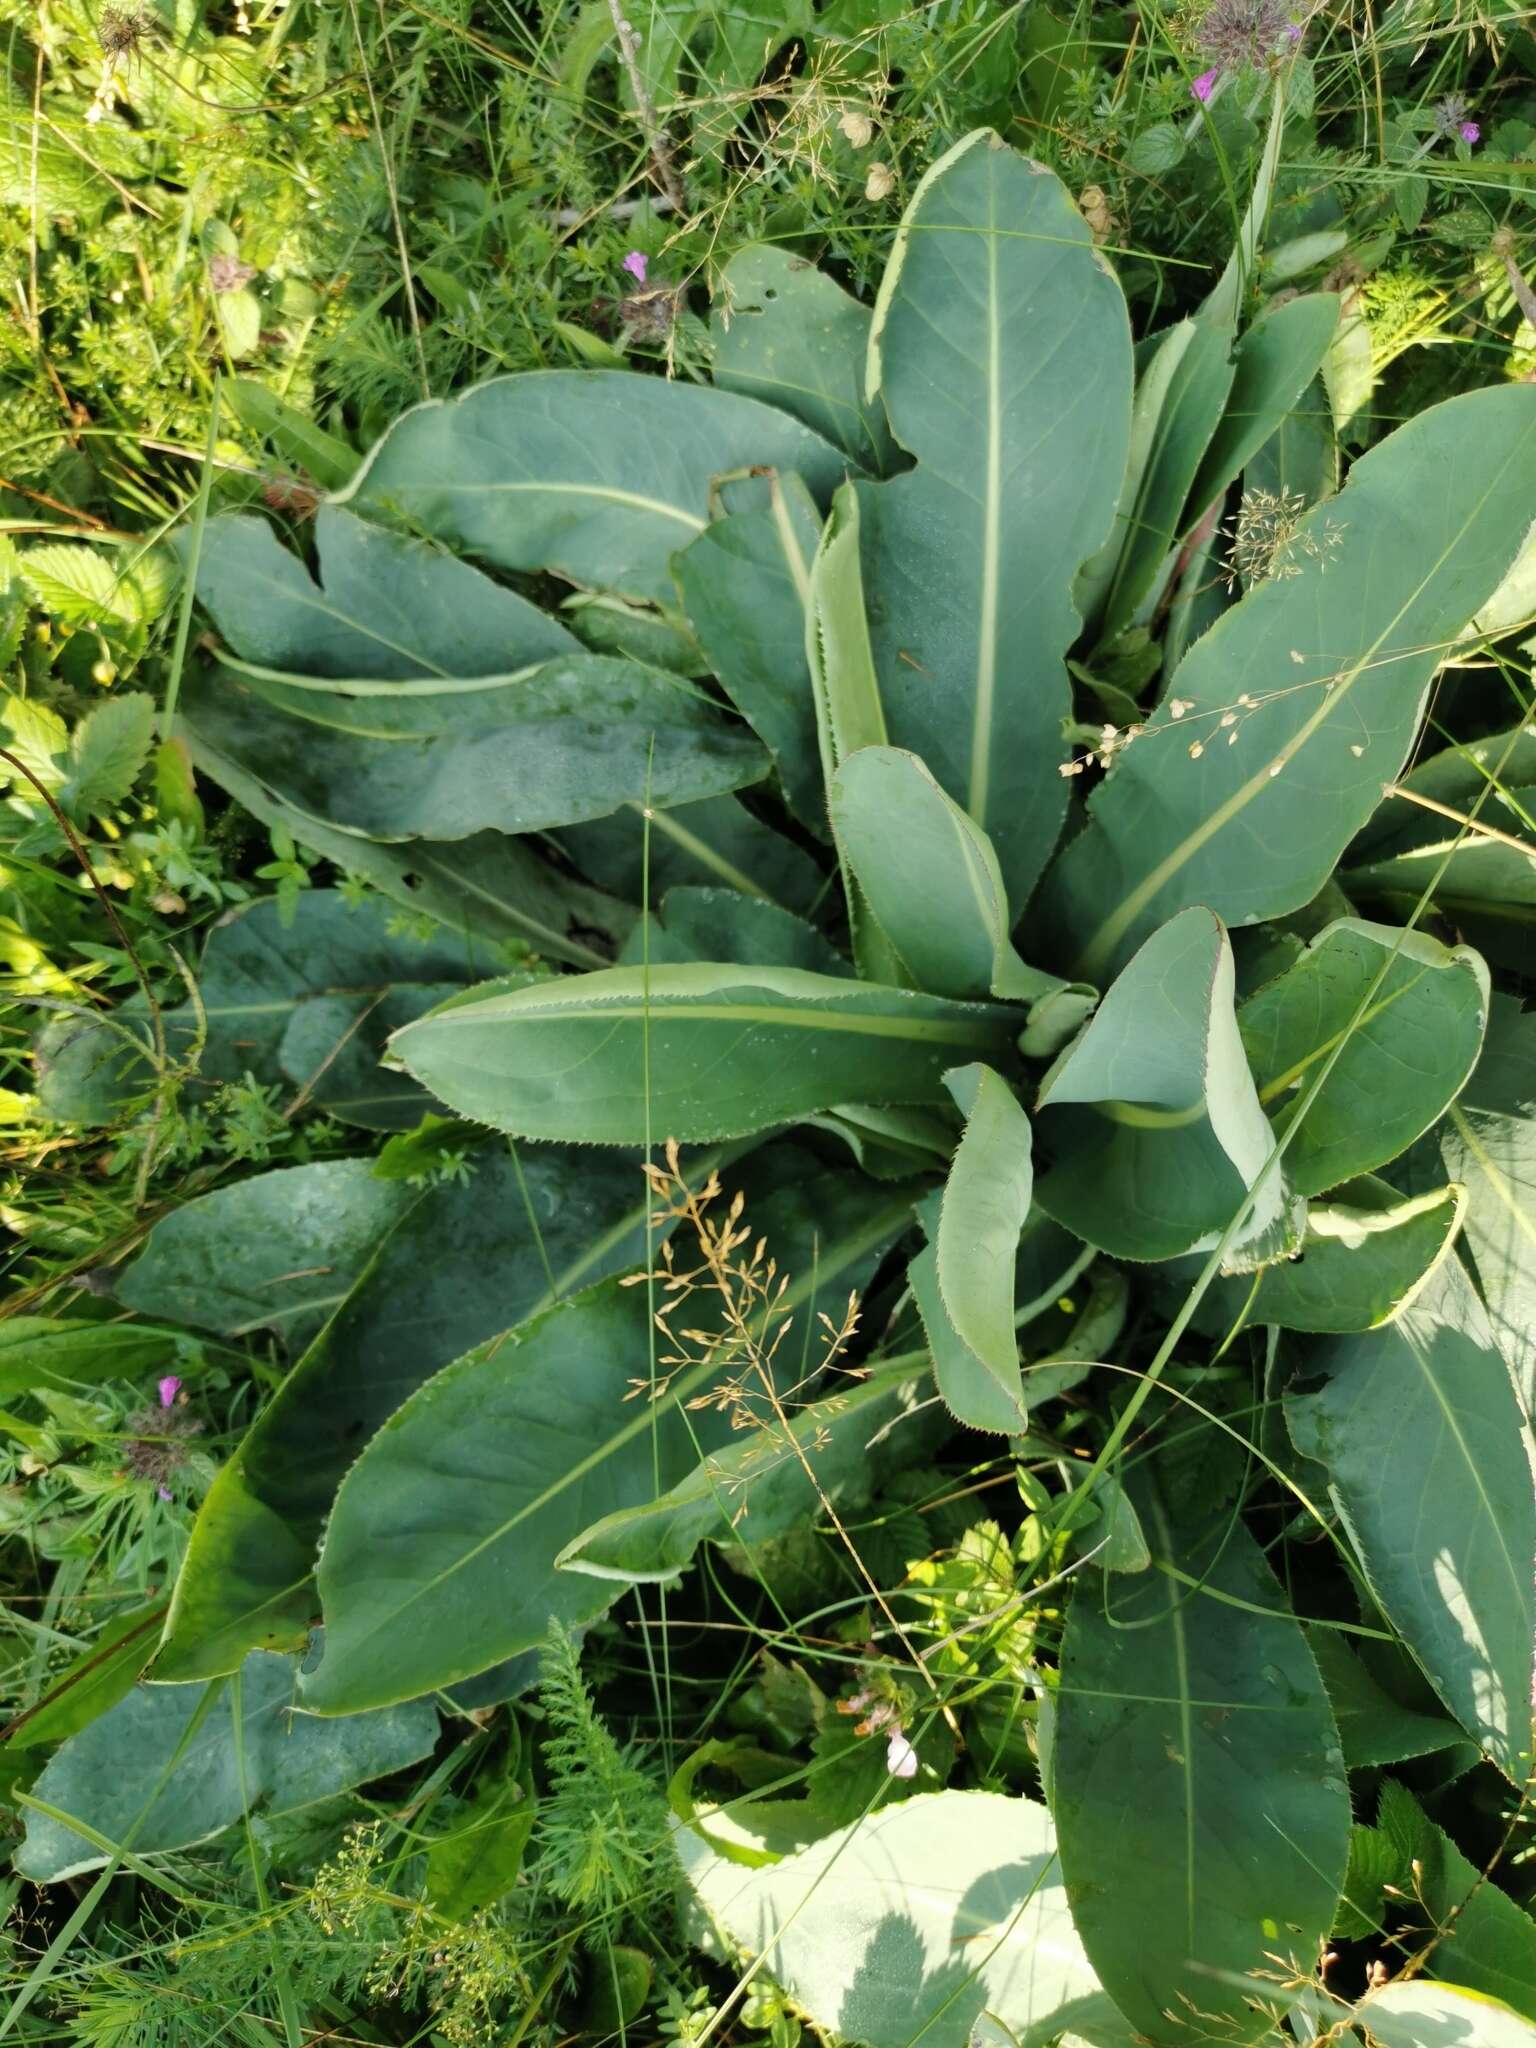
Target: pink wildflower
900 1756
1470 132
170 1387
637 263
1205 84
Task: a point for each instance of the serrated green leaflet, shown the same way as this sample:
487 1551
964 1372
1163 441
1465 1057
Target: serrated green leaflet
693 1052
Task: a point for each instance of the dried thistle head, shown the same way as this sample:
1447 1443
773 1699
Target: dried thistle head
157 1442
120 30
294 495
1236 33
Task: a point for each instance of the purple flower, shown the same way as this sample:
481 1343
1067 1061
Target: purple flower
165 1493
1292 32
170 1387
1203 86
900 1756
637 263
1470 132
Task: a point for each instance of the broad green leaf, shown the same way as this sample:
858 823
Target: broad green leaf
239 317
1277 358
692 1052
1196 1780
93 1682
270 1004
1373 1727
1179 406
1301 458
1485 886
1002 352
1151 1117
383 605
442 759
661 638
1327 671
439 1555
1364 1256
87 588
716 843
931 881
746 584
1406 1058
784 332
981 1219
1415 2014
912 1923
719 924
333 1045
476 1860
1489 1143
291 433
774 1479
488 886
846 692
1424 1412
462 1263
1475 1934
68 1351
1490 774
277 1252
103 1775
597 476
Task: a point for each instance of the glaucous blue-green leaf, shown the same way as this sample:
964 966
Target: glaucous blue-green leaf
383 604
784 332
266 987
1327 670
771 1480
1002 352
930 878
746 584
1179 405
464 1261
981 1219
1409 1014
1365 1253
1199 1793
1150 1116
717 843
1485 886
597 476
912 1923
279 1251
104 1775
487 886
1488 1141
692 1052
720 924
333 1045
1374 1728
1301 458
439 1555
549 746
1277 358
1415 2013
1420 1432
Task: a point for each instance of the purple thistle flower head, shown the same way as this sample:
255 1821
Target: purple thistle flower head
637 263
1470 132
170 1387
1203 86
1243 32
